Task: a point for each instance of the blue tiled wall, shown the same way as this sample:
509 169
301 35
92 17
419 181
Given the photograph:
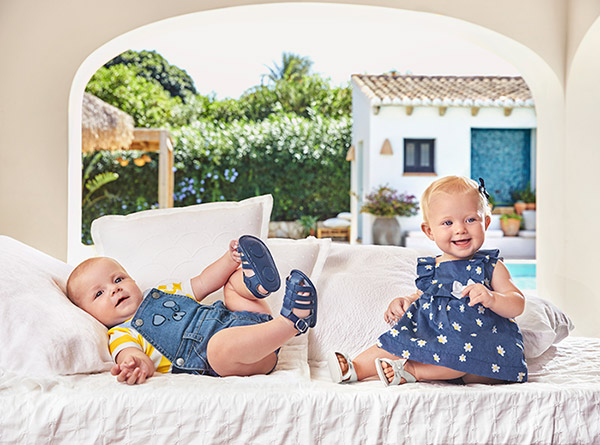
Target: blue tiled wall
502 157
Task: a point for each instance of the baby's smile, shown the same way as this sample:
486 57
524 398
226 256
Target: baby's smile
121 300
461 242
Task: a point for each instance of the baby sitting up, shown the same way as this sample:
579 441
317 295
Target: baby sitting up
166 329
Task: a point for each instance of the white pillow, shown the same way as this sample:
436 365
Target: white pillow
182 241
358 282
345 215
542 325
309 256
42 333
336 223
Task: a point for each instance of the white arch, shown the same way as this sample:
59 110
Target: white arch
544 79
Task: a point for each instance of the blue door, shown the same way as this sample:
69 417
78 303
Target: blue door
502 157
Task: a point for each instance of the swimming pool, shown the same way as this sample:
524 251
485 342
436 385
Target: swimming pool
523 274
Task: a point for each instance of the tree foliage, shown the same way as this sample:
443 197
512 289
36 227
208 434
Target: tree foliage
288 137
153 66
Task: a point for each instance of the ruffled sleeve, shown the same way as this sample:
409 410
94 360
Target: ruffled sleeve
484 263
425 272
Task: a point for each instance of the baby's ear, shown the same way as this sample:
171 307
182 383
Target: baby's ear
427 230
488 220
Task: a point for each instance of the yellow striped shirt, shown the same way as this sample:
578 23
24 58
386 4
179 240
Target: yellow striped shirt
125 336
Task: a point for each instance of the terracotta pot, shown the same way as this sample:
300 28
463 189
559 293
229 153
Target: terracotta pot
530 206
510 227
386 231
519 207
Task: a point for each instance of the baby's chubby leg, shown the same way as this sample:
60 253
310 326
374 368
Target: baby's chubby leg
237 297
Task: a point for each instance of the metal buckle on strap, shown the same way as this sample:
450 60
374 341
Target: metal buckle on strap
301 325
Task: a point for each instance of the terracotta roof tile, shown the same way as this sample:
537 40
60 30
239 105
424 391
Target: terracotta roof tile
458 91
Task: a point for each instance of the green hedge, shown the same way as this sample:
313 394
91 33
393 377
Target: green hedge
300 161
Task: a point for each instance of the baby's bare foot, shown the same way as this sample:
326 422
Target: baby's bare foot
343 363
389 372
250 273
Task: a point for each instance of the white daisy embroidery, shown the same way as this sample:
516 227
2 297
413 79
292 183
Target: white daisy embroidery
409 314
456 326
481 309
428 267
437 265
473 335
487 257
422 260
430 316
494 330
448 307
404 328
440 307
495 368
440 286
442 339
394 332
440 325
468 347
462 307
462 358
500 350
436 358
426 305
479 322
421 343
413 339
468 267
520 377
478 270
434 281
415 330
405 354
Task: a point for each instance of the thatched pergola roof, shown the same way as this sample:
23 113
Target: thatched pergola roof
104 127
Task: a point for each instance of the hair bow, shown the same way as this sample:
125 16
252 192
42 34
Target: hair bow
482 189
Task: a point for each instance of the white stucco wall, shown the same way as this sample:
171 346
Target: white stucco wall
44 44
452 135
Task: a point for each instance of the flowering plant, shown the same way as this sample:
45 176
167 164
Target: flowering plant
386 201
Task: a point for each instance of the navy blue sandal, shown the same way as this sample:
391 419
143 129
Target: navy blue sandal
256 256
296 284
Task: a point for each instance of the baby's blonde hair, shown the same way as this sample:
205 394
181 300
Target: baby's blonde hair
453 185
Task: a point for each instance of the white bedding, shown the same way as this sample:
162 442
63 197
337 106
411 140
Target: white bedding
560 404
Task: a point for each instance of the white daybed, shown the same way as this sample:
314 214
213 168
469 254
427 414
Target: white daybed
55 388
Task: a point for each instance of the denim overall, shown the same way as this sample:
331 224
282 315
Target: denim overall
179 328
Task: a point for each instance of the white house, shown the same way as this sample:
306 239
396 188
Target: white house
54 48
409 130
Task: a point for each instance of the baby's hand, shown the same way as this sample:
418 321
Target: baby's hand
132 371
396 309
235 255
478 293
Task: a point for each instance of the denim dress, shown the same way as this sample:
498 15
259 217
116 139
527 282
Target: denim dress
180 328
440 328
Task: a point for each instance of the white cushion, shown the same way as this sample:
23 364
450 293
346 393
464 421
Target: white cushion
542 325
345 215
358 283
335 223
41 331
178 242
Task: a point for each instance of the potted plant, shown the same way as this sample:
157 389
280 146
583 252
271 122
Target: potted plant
510 223
308 223
385 203
524 199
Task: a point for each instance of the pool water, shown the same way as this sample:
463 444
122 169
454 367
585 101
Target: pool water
523 274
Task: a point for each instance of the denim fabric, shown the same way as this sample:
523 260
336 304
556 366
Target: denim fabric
440 328
180 328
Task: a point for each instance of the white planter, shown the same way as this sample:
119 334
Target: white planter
495 222
529 219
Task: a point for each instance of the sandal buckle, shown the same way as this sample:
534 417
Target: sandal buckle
302 325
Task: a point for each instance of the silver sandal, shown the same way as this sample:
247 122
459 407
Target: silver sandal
399 372
335 370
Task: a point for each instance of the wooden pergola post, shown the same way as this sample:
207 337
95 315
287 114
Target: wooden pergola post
157 140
